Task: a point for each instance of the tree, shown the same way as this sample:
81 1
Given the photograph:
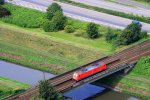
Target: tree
109 36
47 92
130 34
2 2
52 9
59 21
56 19
92 30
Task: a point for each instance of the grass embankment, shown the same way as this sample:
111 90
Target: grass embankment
42 51
136 83
112 12
10 87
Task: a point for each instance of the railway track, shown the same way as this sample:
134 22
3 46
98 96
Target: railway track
64 81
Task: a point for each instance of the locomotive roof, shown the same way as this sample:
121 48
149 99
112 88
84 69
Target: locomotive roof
90 67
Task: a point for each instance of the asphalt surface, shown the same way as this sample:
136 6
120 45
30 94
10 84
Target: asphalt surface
81 14
115 6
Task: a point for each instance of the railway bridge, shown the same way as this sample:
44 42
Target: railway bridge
123 60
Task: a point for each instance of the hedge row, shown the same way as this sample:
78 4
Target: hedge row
112 12
24 17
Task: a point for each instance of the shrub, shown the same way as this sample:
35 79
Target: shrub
109 36
48 26
24 17
130 34
4 12
92 30
143 34
69 29
47 92
2 2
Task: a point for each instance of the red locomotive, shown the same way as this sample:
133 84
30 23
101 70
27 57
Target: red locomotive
89 70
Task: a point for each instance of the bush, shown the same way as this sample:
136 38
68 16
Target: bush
55 15
92 30
47 92
4 12
48 26
109 36
69 29
130 34
59 21
143 34
2 2
24 17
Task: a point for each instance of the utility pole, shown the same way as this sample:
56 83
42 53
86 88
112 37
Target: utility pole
44 75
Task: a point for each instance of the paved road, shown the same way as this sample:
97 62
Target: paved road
117 7
131 2
81 14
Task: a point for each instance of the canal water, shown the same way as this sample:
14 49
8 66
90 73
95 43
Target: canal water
22 74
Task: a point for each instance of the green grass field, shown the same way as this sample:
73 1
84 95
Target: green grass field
9 87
